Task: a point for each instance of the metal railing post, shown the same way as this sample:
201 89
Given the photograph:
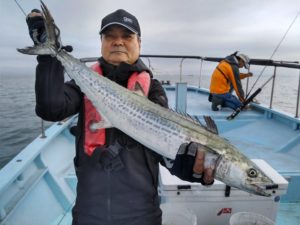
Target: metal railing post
149 63
273 85
180 75
43 129
298 96
200 75
247 83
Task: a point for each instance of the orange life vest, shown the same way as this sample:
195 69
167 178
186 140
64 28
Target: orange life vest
93 139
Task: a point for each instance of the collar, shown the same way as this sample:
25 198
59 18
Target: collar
122 72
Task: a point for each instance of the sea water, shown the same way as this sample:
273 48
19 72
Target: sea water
19 124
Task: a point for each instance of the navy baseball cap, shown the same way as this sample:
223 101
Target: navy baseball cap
122 18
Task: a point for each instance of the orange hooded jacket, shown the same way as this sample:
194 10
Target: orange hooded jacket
226 75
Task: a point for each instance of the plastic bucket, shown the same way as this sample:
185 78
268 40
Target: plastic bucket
177 216
249 218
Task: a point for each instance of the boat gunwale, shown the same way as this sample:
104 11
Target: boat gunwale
15 167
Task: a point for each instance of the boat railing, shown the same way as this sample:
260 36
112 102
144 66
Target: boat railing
202 59
256 62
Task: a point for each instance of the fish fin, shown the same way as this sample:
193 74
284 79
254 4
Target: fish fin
36 50
138 89
211 125
102 124
189 117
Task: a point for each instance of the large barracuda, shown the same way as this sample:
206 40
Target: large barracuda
158 128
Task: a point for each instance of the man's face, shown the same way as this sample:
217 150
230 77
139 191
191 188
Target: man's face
241 63
120 45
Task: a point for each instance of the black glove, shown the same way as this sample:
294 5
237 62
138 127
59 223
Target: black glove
36 28
184 163
107 158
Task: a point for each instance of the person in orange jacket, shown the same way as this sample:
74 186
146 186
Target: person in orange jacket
227 77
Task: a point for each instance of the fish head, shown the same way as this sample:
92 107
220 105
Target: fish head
242 173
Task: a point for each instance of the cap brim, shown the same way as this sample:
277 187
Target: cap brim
120 24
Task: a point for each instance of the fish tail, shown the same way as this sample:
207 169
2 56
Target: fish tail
51 46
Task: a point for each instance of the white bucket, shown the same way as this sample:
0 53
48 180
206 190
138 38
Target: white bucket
173 215
249 218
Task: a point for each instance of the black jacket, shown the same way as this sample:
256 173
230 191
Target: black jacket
110 186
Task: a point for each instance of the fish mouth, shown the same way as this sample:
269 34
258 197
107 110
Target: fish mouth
265 189
272 186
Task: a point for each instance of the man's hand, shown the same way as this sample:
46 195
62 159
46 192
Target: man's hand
249 74
36 26
194 164
204 164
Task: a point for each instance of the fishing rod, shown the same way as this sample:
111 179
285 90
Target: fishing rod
20 7
251 97
248 100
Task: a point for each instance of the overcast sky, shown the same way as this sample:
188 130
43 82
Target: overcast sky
197 27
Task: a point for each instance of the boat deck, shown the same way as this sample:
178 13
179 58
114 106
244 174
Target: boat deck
38 184
255 132
259 133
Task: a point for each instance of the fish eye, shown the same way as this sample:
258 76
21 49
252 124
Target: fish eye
252 173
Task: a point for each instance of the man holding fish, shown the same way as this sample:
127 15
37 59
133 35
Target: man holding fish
117 175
